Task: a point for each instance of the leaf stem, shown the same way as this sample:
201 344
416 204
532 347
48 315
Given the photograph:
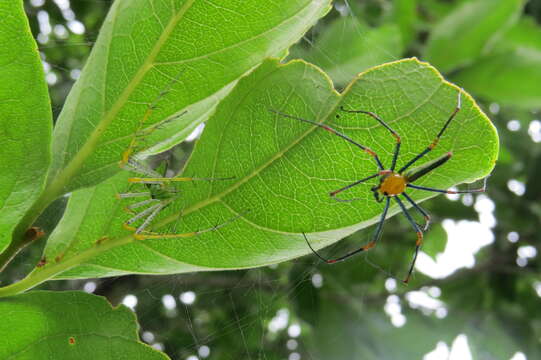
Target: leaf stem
40 275
19 240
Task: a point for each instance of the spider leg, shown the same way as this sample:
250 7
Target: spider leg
370 245
132 195
140 203
151 217
150 235
142 214
482 189
437 139
393 133
139 167
126 155
335 132
335 192
420 209
419 241
160 180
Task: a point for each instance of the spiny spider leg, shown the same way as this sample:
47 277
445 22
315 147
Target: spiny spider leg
160 180
419 241
139 167
335 132
149 219
437 139
141 215
132 195
393 133
140 204
370 245
126 155
151 235
420 209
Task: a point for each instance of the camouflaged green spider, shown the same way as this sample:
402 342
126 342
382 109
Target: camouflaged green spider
160 190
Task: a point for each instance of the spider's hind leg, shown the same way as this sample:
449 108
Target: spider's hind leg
419 241
420 209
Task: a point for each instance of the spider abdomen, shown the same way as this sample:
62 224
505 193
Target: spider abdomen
392 184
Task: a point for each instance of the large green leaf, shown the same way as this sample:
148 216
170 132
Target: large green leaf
188 49
349 47
470 31
25 119
69 325
283 170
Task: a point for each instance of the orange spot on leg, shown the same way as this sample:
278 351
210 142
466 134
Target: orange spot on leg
369 151
369 246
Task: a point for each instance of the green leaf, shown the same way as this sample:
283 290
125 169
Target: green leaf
25 119
525 34
69 325
435 241
405 16
187 51
348 47
470 31
510 78
284 171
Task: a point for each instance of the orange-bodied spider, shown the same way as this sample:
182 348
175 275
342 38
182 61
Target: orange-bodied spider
392 184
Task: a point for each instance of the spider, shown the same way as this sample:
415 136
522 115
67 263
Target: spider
160 190
392 184
160 193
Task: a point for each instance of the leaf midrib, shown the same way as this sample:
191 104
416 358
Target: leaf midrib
259 169
77 161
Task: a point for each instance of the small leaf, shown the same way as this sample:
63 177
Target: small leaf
435 241
25 119
163 57
69 325
283 172
470 31
510 78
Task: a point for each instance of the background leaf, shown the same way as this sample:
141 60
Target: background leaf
435 241
511 77
282 169
69 325
469 31
25 119
350 47
190 48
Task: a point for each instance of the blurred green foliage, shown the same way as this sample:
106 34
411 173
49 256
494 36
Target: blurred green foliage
340 309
